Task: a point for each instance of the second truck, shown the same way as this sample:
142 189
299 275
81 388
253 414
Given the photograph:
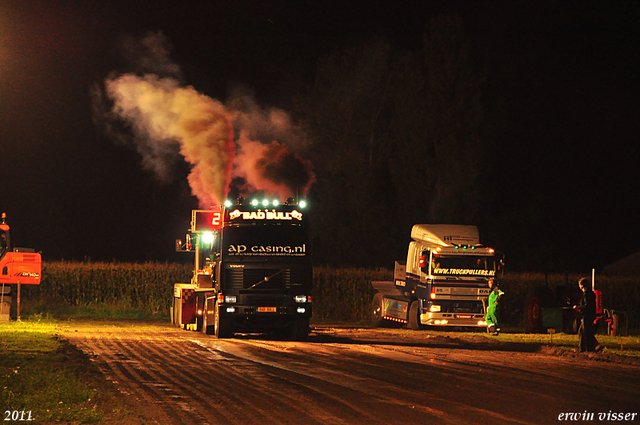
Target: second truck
443 283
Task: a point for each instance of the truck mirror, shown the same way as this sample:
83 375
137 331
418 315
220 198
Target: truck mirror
179 247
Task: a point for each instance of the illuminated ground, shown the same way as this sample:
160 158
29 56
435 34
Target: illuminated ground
350 376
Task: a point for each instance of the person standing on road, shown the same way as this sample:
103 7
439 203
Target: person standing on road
493 308
587 308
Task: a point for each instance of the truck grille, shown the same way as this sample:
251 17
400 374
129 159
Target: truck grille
245 278
266 301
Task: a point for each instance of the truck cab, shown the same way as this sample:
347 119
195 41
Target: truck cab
443 283
253 270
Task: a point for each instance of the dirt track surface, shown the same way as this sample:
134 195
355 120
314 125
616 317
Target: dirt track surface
348 376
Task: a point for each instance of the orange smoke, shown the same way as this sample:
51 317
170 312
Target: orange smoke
273 169
167 118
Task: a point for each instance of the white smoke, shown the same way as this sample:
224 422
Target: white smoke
162 114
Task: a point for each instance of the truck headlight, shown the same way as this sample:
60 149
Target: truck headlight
301 298
230 299
434 308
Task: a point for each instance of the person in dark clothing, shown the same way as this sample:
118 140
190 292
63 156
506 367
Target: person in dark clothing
587 308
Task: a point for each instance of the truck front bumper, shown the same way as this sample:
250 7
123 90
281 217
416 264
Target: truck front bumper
249 318
295 311
453 319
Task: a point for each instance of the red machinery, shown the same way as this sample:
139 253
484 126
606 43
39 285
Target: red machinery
545 309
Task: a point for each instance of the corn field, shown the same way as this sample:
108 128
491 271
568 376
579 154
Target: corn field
341 295
344 295
147 286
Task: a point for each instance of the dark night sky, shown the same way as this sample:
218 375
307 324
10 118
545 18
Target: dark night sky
562 113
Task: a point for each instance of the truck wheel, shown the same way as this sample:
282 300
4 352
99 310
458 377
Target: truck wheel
207 329
376 311
299 330
221 328
414 316
174 319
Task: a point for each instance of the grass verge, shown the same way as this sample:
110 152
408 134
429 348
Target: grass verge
64 311
40 375
51 381
627 346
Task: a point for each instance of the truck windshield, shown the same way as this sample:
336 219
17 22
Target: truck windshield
265 243
468 265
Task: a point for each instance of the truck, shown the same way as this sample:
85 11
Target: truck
21 266
443 283
253 270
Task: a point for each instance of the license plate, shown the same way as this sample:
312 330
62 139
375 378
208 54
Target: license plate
266 309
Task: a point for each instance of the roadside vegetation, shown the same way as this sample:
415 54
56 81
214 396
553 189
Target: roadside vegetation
341 295
42 377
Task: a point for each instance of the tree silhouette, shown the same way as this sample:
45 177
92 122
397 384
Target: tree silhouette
396 143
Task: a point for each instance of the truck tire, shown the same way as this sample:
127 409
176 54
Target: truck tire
414 316
175 319
207 329
376 311
299 330
221 327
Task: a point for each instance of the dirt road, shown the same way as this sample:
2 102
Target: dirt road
349 376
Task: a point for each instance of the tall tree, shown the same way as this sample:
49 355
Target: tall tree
438 105
396 143
347 111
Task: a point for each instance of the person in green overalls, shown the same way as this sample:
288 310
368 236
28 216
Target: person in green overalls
493 308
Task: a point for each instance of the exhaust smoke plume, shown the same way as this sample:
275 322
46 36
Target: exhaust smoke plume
272 168
223 143
163 113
